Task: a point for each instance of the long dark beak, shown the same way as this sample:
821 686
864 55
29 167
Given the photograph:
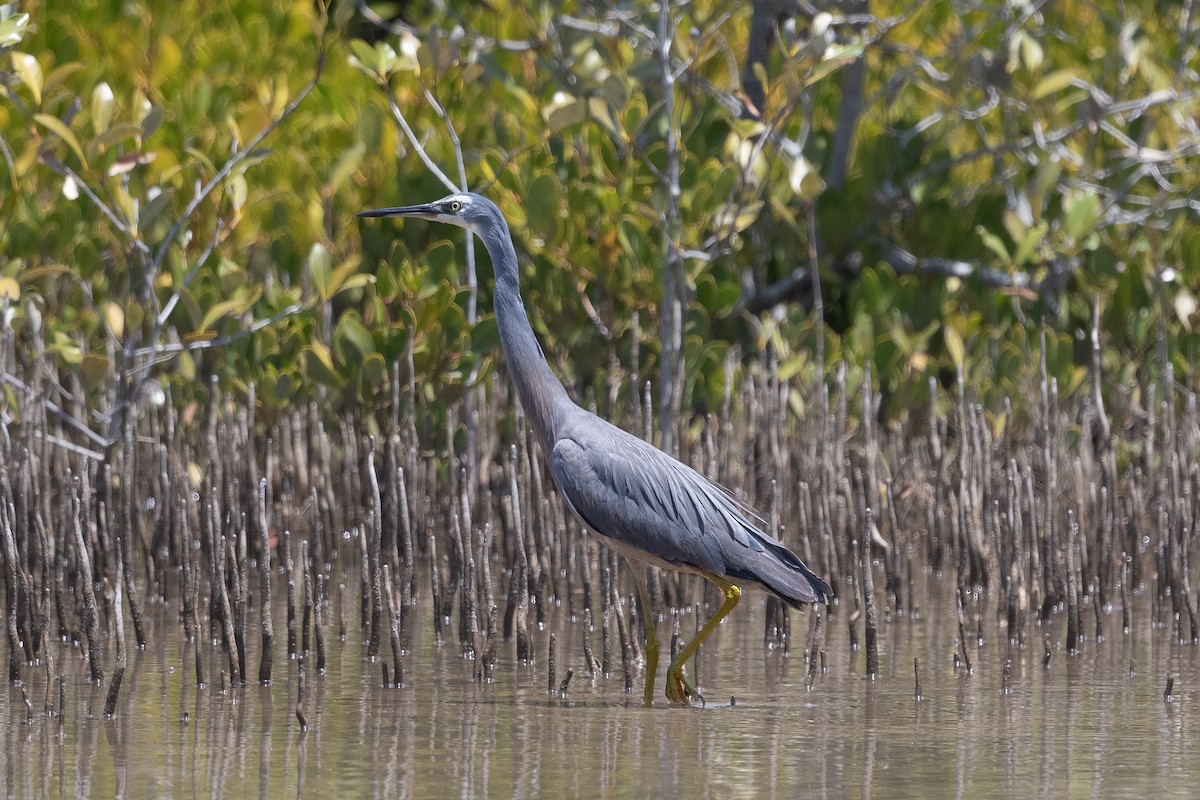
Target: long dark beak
424 211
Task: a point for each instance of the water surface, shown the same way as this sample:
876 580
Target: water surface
1084 727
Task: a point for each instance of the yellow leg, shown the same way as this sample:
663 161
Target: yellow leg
651 638
678 689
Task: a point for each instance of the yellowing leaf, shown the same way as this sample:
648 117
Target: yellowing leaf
9 289
114 318
1055 81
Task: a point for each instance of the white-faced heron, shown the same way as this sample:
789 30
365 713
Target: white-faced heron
645 504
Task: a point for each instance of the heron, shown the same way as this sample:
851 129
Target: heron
645 504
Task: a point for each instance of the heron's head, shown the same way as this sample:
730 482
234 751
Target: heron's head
466 210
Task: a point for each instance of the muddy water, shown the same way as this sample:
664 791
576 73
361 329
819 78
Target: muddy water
1083 727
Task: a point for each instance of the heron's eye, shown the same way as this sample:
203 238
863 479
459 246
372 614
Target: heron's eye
455 206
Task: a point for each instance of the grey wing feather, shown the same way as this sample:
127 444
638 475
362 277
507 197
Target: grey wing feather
654 507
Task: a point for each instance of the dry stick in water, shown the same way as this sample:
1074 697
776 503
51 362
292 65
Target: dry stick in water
374 539
237 560
110 702
318 617
226 612
868 590
393 614
91 617
1072 585
470 617
588 655
1169 692
125 540
605 620
309 595
290 569
521 570
264 587
814 648
917 695
12 560
301 717
435 587
962 629
551 657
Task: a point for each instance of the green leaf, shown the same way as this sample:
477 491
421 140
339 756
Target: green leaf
564 111
372 376
836 57
347 164
485 336
94 370
63 132
151 122
954 345
1083 212
320 268
218 310
153 208
352 341
318 363
994 243
542 201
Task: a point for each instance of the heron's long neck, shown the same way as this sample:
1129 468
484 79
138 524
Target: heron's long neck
542 395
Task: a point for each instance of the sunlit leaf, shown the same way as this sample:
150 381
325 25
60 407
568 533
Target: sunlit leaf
804 179
102 108
29 72
12 30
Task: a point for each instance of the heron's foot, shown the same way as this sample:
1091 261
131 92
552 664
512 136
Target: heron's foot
679 691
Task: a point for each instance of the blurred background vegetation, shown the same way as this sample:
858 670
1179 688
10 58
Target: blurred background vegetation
179 181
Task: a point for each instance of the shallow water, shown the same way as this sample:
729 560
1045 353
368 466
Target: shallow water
1084 727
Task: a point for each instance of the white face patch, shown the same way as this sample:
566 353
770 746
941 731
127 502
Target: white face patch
455 209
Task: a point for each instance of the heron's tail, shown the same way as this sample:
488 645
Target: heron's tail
790 579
